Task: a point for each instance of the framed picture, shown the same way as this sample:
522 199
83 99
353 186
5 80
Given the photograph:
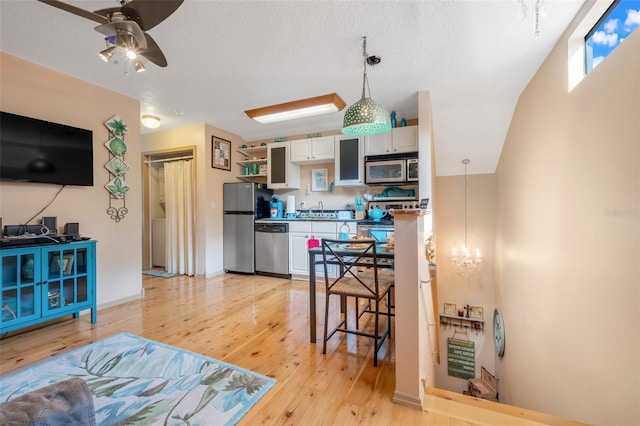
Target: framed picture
475 312
220 153
450 309
319 179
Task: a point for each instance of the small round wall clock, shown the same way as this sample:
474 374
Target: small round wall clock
498 332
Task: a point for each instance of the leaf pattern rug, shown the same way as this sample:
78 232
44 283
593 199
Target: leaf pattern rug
142 382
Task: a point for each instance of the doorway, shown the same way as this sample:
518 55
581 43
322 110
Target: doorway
154 235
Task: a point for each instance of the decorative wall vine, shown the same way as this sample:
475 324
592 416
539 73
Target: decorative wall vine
117 186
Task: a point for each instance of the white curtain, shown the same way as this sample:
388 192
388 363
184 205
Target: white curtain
179 207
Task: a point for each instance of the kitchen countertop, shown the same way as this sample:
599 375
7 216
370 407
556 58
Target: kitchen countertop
306 219
413 212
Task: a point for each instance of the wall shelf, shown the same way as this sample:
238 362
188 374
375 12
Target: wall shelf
256 155
257 151
447 320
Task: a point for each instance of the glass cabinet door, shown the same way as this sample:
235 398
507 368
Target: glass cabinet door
278 165
65 279
348 161
20 277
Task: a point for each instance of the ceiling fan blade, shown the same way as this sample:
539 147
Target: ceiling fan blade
118 32
149 13
153 52
76 11
107 12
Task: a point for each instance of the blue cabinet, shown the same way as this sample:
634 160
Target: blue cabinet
43 282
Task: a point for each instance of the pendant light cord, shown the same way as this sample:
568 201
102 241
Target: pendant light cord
365 80
465 162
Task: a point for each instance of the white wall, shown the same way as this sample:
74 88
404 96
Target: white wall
568 241
31 90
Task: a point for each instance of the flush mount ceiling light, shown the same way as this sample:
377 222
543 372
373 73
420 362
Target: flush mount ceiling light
297 109
150 121
366 117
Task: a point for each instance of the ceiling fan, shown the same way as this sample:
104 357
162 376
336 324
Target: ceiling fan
126 26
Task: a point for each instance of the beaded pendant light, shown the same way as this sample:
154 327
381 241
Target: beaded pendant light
366 117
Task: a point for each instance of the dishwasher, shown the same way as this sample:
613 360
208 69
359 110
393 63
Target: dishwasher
272 249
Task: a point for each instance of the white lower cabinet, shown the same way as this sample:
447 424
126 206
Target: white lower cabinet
298 257
333 269
299 235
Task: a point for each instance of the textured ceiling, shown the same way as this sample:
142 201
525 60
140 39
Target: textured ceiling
474 56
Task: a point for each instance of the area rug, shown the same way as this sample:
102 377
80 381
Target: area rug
139 381
158 272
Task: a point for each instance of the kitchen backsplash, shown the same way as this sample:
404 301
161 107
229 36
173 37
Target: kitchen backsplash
336 200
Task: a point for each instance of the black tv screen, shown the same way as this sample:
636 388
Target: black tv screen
33 150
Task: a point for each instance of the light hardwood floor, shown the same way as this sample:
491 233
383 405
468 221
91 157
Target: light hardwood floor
260 323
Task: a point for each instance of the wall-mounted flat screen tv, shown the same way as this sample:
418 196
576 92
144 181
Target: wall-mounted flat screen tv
33 150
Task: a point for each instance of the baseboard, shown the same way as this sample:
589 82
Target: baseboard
119 301
211 274
408 400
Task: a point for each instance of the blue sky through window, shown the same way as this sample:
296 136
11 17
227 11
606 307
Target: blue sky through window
617 25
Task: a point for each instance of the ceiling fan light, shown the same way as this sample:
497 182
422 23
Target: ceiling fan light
366 118
138 66
150 121
131 54
297 109
107 53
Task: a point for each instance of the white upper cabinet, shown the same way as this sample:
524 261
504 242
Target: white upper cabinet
313 150
282 172
399 139
349 162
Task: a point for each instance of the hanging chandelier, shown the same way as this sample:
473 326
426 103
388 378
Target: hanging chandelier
366 117
462 260
538 11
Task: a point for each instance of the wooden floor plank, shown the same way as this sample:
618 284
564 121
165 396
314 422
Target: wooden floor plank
261 324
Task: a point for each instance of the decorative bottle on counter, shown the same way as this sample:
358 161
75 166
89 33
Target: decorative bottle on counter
393 119
403 122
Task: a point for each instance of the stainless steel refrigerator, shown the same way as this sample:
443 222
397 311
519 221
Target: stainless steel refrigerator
243 202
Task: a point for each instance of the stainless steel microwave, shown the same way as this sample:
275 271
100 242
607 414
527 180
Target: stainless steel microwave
391 169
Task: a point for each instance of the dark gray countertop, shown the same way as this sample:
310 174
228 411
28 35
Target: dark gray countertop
306 219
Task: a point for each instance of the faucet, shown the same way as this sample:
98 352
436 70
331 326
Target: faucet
321 206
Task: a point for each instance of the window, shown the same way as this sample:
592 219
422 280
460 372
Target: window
619 20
